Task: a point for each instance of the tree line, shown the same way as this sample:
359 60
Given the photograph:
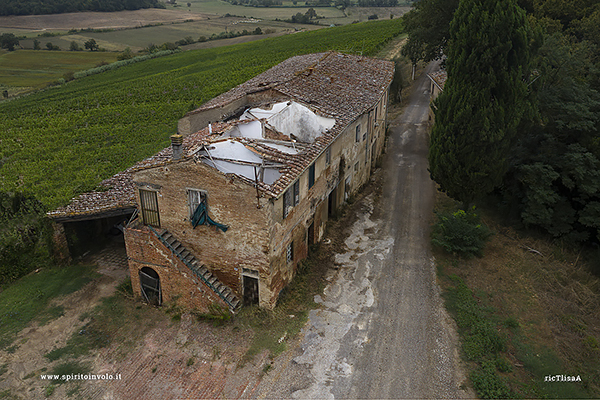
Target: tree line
35 7
518 121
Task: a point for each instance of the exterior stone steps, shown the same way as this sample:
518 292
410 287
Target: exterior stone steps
186 256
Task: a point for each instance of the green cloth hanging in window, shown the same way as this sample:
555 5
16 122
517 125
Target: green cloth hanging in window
201 217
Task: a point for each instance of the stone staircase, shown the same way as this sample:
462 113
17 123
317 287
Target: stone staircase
179 250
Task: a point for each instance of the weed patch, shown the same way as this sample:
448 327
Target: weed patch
28 298
116 319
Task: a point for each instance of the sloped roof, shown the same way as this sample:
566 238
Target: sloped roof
332 85
439 78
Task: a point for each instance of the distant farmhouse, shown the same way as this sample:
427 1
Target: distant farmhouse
226 212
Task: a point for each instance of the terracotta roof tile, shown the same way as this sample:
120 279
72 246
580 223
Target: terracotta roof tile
334 85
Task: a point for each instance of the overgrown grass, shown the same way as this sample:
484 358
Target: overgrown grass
117 319
273 328
28 298
513 322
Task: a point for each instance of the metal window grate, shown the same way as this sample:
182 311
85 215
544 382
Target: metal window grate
290 252
149 205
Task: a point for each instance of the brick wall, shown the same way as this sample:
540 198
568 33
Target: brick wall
195 121
178 284
231 202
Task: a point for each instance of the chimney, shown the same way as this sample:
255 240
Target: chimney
177 145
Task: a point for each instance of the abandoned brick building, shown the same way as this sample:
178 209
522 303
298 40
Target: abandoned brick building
226 212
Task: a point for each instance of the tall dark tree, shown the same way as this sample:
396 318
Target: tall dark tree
428 27
484 98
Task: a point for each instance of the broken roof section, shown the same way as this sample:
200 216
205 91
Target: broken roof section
315 97
293 120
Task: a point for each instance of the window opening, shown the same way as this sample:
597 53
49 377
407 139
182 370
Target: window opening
357 138
199 210
290 252
291 198
149 205
328 156
195 197
311 176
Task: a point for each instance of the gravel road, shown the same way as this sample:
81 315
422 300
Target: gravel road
382 332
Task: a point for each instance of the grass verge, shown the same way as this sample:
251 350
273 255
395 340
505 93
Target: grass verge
117 319
28 298
525 315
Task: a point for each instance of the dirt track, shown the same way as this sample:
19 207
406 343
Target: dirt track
383 331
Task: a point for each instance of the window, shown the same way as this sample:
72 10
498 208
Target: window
357 133
366 151
195 197
364 136
311 176
291 198
328 156
356 167
290 252
149 205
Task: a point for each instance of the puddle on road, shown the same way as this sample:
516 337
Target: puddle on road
344 300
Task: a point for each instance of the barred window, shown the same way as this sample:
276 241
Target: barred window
291 198
290 252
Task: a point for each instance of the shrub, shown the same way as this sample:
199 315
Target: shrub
25 237
488 384
460 233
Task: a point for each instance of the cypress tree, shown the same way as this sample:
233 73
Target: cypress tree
484 98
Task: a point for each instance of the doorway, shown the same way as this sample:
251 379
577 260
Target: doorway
150 284
250 290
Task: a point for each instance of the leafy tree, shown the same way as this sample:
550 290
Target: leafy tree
36 44
484 98
91 45
258 31
74 46
25 237
428 26
126 54
51 46
8 41
554 181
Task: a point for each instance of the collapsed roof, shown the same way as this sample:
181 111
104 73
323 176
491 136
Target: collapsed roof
269 145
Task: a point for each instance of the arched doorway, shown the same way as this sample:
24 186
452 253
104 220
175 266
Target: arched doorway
150 284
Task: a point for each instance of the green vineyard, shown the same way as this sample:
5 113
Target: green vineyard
65 140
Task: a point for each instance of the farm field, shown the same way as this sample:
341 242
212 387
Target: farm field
137 29
64 140
25 70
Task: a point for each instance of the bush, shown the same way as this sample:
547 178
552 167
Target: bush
488 384
25 237
460 233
